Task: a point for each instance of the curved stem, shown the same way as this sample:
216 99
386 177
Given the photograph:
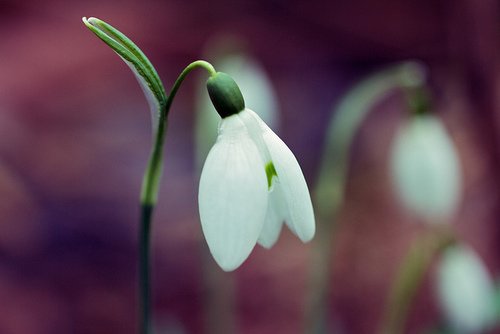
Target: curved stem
199 63
149 195
409 277
153 172
347 118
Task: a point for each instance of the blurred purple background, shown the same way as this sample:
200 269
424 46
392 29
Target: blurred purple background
75 138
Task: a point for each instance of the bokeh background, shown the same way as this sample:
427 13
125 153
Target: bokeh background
75 137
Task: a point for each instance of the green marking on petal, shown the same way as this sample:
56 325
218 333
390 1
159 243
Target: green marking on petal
270 172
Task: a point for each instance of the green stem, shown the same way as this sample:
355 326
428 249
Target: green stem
199 63
149 195
409 278
151 178
145 269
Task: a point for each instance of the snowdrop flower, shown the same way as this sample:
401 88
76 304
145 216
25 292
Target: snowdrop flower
426 168
250 184
465 290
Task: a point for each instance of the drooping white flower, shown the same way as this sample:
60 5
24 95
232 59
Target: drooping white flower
426 168
465 290
250 184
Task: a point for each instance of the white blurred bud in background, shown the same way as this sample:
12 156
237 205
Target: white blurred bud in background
465 290
426 169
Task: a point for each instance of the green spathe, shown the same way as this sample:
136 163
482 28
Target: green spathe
132 55
225 94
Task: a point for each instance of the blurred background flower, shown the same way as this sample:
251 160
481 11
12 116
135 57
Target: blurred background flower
75 137
426 169
465 291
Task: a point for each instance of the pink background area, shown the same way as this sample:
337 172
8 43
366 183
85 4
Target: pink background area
75 138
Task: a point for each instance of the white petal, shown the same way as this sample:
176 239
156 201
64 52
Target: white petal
233 195
256 131
293 183
276 215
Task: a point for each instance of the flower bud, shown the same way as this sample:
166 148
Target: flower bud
426 168
465 290
225 94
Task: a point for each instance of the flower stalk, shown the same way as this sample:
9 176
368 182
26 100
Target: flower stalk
149 195
160 104
145 269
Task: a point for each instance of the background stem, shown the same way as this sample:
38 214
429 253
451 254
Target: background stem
409 277
348 116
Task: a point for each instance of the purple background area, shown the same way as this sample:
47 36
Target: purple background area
75 138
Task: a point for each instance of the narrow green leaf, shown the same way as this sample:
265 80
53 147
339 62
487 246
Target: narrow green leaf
133 48
137 61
